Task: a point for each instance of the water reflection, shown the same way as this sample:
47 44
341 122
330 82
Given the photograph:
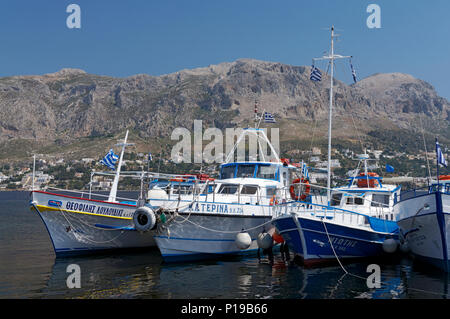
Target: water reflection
29 269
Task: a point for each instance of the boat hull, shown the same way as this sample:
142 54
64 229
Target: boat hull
424 223
194 236
80 226
309 238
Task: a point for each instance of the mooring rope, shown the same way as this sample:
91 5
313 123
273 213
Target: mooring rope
376 281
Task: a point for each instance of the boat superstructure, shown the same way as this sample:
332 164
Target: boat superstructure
225 215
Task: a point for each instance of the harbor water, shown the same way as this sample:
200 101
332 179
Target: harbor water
29 269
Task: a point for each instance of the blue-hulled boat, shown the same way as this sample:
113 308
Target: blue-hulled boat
355 221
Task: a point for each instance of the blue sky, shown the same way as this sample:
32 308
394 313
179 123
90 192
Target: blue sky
122 38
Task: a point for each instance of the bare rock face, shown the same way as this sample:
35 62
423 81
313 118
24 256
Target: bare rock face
71 103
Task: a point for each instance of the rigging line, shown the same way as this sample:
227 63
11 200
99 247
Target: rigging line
425 145
312 138
376 281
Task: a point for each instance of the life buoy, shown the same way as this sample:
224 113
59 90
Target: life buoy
362 182
444 177
304 194
273 200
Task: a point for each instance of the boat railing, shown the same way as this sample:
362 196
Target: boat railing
87 195
337 215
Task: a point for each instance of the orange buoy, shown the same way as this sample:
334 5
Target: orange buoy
305 194
273 200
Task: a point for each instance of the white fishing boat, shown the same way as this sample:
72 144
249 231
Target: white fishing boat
423 216
356 221
227 216
81 222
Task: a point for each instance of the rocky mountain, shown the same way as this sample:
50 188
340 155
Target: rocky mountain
54 112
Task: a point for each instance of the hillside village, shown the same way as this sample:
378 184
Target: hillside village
63 173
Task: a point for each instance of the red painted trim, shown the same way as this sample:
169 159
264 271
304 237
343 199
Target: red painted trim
87 199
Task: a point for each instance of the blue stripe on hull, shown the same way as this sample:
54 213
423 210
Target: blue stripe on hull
347 242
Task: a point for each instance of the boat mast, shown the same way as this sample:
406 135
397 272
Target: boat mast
330 115
330 57
113 192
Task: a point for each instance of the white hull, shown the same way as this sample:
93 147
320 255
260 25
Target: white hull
78 225
425 224
199 234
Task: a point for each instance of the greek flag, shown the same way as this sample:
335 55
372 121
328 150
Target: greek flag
305 171
353 72
316 75
440 156
149 157
110 160
268 118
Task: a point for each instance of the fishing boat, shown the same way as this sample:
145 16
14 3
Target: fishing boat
80 222
355 221
423 216
230 215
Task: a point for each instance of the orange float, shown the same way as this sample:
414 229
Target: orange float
304 194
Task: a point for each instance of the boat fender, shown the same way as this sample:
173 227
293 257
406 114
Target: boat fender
144 219
243 240
390 245
264 240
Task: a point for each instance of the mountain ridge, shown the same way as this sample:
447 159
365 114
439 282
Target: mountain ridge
64 106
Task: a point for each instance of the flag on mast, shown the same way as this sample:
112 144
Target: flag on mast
440 156
316 75
110 160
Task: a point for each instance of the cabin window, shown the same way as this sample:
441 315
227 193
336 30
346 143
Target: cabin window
355 201
245 170
336 199
266 171
379 200
249 190
228 189
227 172
182 189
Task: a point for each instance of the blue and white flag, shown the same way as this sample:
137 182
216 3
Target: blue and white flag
440 156
305 171
389 168
110 160
316 75
268 118
149 157
353 71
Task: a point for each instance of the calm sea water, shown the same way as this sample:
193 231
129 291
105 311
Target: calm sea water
29 269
